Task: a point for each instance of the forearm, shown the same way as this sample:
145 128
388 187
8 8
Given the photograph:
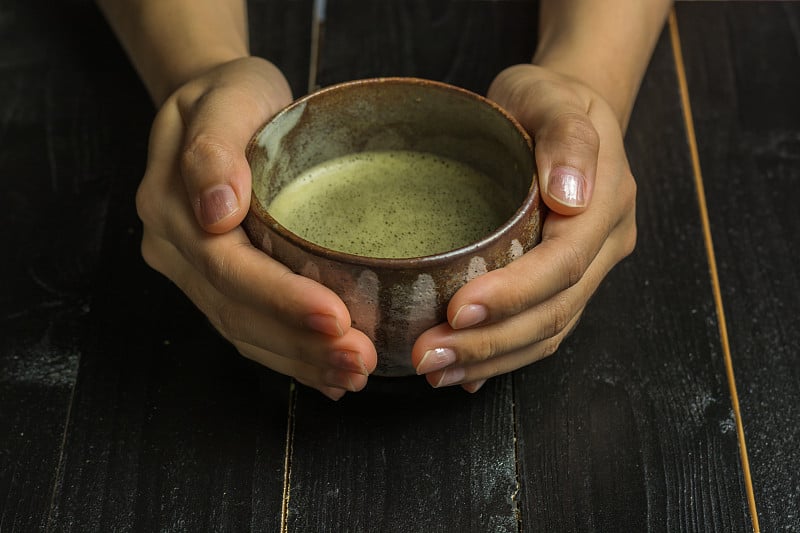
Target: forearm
606 45
172 41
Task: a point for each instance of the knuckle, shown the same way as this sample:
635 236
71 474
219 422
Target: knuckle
218 269
629 244
205 152
574 263
560 316
227 320
628 223
505 288
486 346
576 131
550 346
632 187
149 254
145 206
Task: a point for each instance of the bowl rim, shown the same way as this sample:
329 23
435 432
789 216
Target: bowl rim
400 263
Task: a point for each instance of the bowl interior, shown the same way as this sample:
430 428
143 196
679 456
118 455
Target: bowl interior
392 114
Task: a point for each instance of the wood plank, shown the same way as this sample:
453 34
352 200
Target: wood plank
743 71
56 187
463 43
629 426
400 456
169 429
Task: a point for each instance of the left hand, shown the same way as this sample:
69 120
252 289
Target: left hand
513 316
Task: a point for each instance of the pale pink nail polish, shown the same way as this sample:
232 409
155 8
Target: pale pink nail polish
217 203
473 387
436 359
451 376
332 393
469 315
351 361
340 379
567 185
327 324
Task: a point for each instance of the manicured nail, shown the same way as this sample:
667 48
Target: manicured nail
332 393
327 324
436 359
350 361
473 387
217 203
567 185
469 315
341 379
451 376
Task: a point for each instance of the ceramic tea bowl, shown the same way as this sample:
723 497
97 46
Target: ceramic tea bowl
393 300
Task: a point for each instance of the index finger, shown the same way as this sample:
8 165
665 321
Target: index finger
568 247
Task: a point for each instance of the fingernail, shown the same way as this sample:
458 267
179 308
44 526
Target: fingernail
451 376
350 361
332 393
469 315
473 387
327 324
341 379
217 203
567 185
436 359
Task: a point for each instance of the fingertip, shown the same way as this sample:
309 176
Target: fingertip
366 351
318 307
357 348
327 324
473 386
332 393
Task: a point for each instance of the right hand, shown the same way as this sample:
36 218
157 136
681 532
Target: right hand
192 199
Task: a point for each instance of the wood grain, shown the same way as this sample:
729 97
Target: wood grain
166 420
121 409
629 426
743 82
400 456
55 194
463 43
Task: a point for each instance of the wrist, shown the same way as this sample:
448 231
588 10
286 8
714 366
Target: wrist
617 90
181 71
172 42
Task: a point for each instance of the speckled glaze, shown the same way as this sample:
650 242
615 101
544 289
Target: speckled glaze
394 300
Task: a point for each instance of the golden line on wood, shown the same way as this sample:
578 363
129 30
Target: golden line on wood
712 262
287 457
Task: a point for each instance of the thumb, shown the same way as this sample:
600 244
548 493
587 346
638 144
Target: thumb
217 178
213 164
566 156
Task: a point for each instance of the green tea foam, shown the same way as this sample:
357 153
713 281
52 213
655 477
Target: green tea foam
391 204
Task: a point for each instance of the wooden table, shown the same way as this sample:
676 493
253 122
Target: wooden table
122 410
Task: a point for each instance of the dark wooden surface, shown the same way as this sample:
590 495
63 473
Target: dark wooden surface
121 409
744 76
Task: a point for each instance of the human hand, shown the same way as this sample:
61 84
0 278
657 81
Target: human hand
513 316
195 193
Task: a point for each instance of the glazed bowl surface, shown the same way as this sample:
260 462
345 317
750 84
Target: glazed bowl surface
394 299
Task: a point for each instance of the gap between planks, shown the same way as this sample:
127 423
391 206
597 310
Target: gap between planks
317 24
287 457
712 262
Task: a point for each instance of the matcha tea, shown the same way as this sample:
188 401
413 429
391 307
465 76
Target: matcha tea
391 204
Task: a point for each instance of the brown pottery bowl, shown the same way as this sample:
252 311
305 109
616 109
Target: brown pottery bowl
394 300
